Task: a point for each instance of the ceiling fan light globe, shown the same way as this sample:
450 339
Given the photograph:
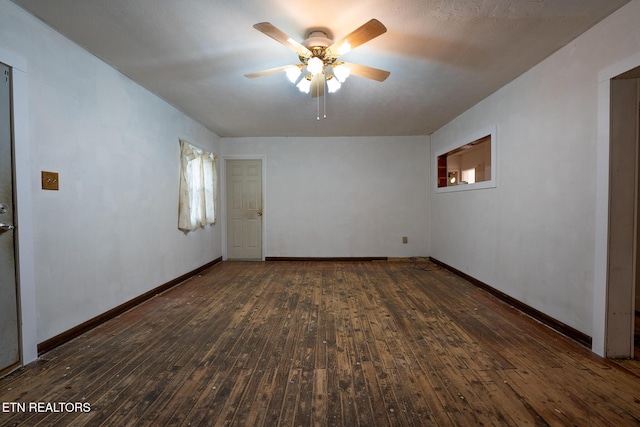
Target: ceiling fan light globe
333 85
293 73
341 72
315 66
304 85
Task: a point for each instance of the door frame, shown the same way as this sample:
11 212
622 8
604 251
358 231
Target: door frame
605 290
223 176
23 208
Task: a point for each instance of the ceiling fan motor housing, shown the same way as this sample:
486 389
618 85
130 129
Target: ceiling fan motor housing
317 42
317 39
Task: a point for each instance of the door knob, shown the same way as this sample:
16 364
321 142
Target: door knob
6 227
259 212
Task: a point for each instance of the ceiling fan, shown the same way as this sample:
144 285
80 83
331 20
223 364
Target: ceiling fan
319 58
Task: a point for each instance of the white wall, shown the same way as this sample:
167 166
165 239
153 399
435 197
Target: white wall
533 237
342 197
110 233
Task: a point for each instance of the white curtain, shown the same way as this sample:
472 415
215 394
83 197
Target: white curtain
198 183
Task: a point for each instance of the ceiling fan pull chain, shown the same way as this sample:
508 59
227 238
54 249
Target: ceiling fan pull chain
324 116
317 100
324 97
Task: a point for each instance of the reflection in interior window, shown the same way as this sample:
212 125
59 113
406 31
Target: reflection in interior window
468 164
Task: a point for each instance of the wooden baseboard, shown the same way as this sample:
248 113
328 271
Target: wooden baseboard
321 259
555 324
76 331
6 371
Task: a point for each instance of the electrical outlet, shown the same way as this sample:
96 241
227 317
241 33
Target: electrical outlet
405 239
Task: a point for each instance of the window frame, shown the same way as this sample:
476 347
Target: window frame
491 183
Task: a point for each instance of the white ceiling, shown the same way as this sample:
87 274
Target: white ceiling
444 56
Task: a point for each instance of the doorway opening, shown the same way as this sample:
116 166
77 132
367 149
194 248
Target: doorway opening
623 270
9 317
23 212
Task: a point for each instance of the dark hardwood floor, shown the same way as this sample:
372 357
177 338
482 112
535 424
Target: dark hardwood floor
322 344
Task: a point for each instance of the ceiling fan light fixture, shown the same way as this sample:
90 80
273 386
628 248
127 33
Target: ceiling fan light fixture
320 71
304 85
315 65
293 73
341 72
333 85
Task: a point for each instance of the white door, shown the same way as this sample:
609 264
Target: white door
9 335
244 209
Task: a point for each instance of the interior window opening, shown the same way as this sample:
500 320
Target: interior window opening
468 164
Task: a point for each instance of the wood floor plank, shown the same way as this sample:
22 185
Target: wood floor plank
378 403
325 344
319 400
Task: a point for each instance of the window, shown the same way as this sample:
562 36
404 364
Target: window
198 183
469 176
468 166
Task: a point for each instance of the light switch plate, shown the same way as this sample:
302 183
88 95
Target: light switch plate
49 180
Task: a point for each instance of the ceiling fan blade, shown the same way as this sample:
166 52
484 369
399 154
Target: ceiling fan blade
317 85
361 35
269 71
284 39
367 72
